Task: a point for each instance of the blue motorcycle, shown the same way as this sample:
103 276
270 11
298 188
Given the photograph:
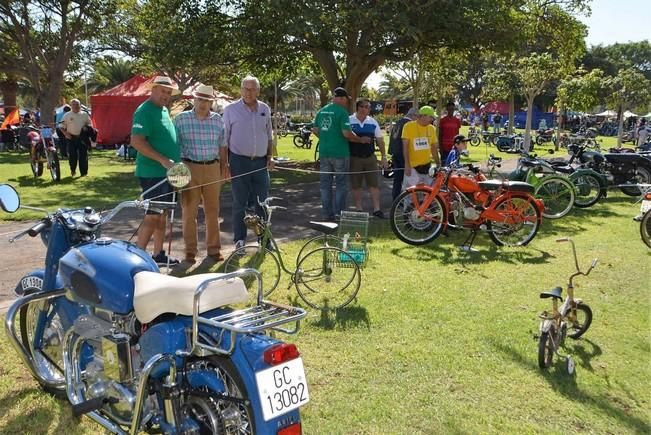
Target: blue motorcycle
137 350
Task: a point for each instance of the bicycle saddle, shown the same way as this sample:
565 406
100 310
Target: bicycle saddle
553 293
324 227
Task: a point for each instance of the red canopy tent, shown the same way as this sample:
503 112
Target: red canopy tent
113 109
496 106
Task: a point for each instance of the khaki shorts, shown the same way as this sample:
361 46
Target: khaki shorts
369 168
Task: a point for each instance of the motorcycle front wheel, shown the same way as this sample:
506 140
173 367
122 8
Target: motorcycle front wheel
214 414
474 141
37 168
298 141
412 227
645 228
55 166
558 195
521 222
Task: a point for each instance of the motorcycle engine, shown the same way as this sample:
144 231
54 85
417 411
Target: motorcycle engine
456 209
112 372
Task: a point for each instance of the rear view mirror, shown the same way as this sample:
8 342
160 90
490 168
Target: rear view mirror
9 199
179 175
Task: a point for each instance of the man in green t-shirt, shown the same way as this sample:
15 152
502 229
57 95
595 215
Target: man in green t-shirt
154 137
332 127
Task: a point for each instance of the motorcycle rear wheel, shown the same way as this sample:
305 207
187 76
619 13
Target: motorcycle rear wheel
588 190
37 168
525 225
221 416
474 141
643 176
298 141
409 226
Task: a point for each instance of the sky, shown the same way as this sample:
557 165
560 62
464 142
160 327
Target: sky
611 21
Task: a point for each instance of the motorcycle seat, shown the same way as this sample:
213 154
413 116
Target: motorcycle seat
156 294
553 293
514 186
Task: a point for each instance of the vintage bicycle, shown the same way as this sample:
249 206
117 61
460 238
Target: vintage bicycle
572 319
326 276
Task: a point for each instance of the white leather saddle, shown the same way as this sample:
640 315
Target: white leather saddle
155 294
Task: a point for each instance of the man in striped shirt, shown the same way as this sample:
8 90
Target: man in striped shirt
200 134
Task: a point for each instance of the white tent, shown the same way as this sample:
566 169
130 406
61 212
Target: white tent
648 115
607 113
628 114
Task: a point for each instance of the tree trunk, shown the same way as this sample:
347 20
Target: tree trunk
621 125
559 121
9 90
527 127
511 113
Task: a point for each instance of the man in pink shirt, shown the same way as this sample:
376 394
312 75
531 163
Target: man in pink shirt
449 127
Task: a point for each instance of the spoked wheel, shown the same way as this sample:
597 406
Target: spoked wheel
46 351
645 228
37 167
558 195
214 414
260 259
414 227
588 190
579 323
521 220
546 349
298 141
320 241
54 166
642 176
317 161
327 278
475 141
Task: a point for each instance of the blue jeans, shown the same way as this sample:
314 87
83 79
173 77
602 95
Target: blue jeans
247 189
398 174
339 166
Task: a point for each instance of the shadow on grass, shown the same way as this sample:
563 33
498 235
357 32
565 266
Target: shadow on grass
566 385
33 418
343 318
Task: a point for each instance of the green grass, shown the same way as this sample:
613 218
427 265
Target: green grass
440 341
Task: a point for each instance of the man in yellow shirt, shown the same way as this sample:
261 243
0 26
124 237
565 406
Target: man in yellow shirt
420 147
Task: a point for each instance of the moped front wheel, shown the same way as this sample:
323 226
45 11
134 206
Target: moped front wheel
558 195
645 228
228 413
520 222
298 141
260 259
579 321
413 226
588 190
474 141
546 349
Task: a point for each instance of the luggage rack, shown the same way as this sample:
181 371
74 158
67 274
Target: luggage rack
260 317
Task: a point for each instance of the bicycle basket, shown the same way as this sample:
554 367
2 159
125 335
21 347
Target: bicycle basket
254 223
353 230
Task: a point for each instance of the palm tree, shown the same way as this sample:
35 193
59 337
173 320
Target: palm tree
110 72
394 87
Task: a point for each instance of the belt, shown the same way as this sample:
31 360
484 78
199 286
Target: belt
250 157
203 162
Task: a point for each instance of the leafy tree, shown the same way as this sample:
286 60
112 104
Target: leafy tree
501 82
393 86
612 58
628 89
46 35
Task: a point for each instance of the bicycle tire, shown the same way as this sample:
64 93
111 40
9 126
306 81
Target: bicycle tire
546 349
558 196
579 327
255 257
320 241
327 278
409 226
524 227
645 228
588 190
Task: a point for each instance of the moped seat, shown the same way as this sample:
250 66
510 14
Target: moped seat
324 227
553 293
156 294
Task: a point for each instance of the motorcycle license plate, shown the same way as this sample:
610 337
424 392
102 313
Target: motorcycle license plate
282 388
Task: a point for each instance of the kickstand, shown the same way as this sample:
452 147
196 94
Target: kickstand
467 244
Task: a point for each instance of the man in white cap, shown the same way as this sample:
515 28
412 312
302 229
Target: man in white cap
200 134
154 137
395 149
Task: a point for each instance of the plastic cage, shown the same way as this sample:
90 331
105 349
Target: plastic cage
353 231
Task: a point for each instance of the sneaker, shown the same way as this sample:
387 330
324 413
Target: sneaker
378 214
638 218
239 244
189 260
269 244
216 257
162 259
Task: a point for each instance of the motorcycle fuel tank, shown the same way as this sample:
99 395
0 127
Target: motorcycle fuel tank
100 273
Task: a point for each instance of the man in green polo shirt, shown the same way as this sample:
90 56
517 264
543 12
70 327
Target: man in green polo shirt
154 137
332 127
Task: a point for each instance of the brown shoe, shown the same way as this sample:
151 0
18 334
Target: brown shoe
216 257
189 260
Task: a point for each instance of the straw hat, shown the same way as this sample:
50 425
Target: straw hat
165 82
205 92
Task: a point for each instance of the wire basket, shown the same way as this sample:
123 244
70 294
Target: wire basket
353 230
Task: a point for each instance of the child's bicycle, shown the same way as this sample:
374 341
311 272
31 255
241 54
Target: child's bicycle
573 314
326 276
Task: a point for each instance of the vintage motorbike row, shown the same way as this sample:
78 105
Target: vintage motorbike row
137 350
